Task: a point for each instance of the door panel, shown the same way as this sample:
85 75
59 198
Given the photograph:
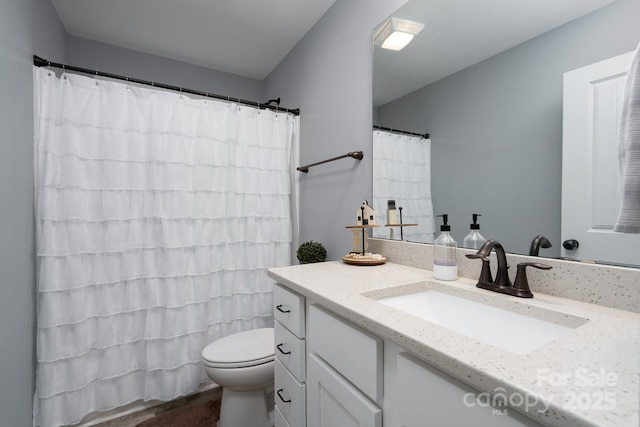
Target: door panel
590 195
332 401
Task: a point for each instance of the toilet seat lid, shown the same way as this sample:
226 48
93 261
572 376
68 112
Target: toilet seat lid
241 349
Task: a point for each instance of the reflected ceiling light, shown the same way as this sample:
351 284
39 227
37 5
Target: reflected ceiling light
396 33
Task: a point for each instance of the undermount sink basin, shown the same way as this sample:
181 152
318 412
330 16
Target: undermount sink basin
503 328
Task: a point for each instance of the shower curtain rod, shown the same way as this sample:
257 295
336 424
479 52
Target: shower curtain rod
404 132
39 62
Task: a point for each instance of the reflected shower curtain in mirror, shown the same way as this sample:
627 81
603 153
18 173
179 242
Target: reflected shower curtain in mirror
157 217
402 172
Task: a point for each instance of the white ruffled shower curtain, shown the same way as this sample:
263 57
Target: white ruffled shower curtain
402 172
157 216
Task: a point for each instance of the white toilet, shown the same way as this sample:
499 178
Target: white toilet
242 364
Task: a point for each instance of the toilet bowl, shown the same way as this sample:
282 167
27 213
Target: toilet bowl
242 364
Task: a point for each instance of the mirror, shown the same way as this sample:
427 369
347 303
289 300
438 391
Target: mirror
485 80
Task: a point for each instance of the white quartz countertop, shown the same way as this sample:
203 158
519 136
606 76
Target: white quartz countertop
589 377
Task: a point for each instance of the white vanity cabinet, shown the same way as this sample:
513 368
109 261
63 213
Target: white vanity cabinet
331 373
290 363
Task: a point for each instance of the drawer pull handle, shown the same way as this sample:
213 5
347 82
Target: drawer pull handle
282 398
279 347
282 310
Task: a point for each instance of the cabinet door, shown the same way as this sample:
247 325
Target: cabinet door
333 402
427 397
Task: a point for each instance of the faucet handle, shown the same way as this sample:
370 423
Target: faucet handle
485 273
521 284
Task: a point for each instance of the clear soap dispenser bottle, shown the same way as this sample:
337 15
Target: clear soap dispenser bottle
445 263
474 239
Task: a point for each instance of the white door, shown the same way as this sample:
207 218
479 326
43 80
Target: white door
590 194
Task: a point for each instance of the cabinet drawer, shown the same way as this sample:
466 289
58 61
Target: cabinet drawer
290 397
288 309
279 419
290 351
356 354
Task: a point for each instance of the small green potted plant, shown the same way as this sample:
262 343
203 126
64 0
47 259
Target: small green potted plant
311 251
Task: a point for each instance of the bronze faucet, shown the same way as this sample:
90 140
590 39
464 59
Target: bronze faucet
502 284
538 242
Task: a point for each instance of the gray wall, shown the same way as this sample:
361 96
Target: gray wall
27 27
113 59
496 128
328 75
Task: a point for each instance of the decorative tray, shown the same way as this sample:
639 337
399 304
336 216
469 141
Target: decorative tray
359 259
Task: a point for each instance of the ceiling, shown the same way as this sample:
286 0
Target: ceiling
244 37
460 33
250 37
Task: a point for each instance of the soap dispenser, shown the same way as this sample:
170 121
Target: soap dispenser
445 264
474 239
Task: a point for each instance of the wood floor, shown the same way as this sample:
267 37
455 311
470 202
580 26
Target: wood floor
199 410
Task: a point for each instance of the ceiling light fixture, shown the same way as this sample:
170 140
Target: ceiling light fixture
396 33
